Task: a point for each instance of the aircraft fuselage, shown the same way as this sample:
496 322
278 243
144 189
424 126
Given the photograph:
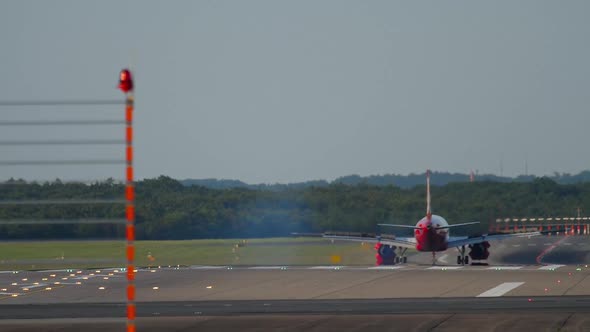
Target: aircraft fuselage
431 234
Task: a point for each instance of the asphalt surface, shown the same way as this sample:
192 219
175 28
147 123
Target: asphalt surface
417 296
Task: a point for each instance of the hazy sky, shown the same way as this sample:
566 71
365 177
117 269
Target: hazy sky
285 91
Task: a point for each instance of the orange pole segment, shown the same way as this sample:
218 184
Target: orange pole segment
131 311
130 193
129 154
129 134
131 293
130 233
129 173
130 273
129 113
130 213
130 252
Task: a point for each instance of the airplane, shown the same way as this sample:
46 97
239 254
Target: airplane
431 234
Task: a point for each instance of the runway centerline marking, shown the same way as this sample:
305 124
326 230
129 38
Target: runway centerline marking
34 286
386 267
551 267
439 268
207 267
501 289
504 268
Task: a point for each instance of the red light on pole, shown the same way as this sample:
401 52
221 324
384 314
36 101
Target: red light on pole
125 81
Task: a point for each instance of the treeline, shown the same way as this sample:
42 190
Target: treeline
167 209
402 181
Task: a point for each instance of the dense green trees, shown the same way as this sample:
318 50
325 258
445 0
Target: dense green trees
168 210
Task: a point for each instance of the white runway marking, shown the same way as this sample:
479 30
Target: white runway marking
34 286
532 244
267 268
504 268
207 267
386 267
325 267
551 267
442 268
516 245
501 289
443 258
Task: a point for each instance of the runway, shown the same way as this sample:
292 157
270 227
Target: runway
443 297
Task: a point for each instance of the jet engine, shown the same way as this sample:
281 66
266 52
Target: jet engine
479 251
385 254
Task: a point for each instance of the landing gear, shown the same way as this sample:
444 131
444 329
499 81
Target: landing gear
401 257
462 259
400 260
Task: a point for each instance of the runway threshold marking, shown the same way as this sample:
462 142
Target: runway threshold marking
501 289
551 267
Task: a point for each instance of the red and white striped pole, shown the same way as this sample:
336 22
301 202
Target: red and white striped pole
126 85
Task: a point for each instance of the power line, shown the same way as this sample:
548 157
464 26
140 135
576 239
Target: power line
63 142
63 202
60 102
62 123
60 221
62 162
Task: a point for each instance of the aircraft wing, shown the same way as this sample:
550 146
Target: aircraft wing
458 242
398 242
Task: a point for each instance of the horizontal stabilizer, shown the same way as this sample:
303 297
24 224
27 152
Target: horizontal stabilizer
401 226
463 224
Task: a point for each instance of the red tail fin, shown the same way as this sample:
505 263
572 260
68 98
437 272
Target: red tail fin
428 210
